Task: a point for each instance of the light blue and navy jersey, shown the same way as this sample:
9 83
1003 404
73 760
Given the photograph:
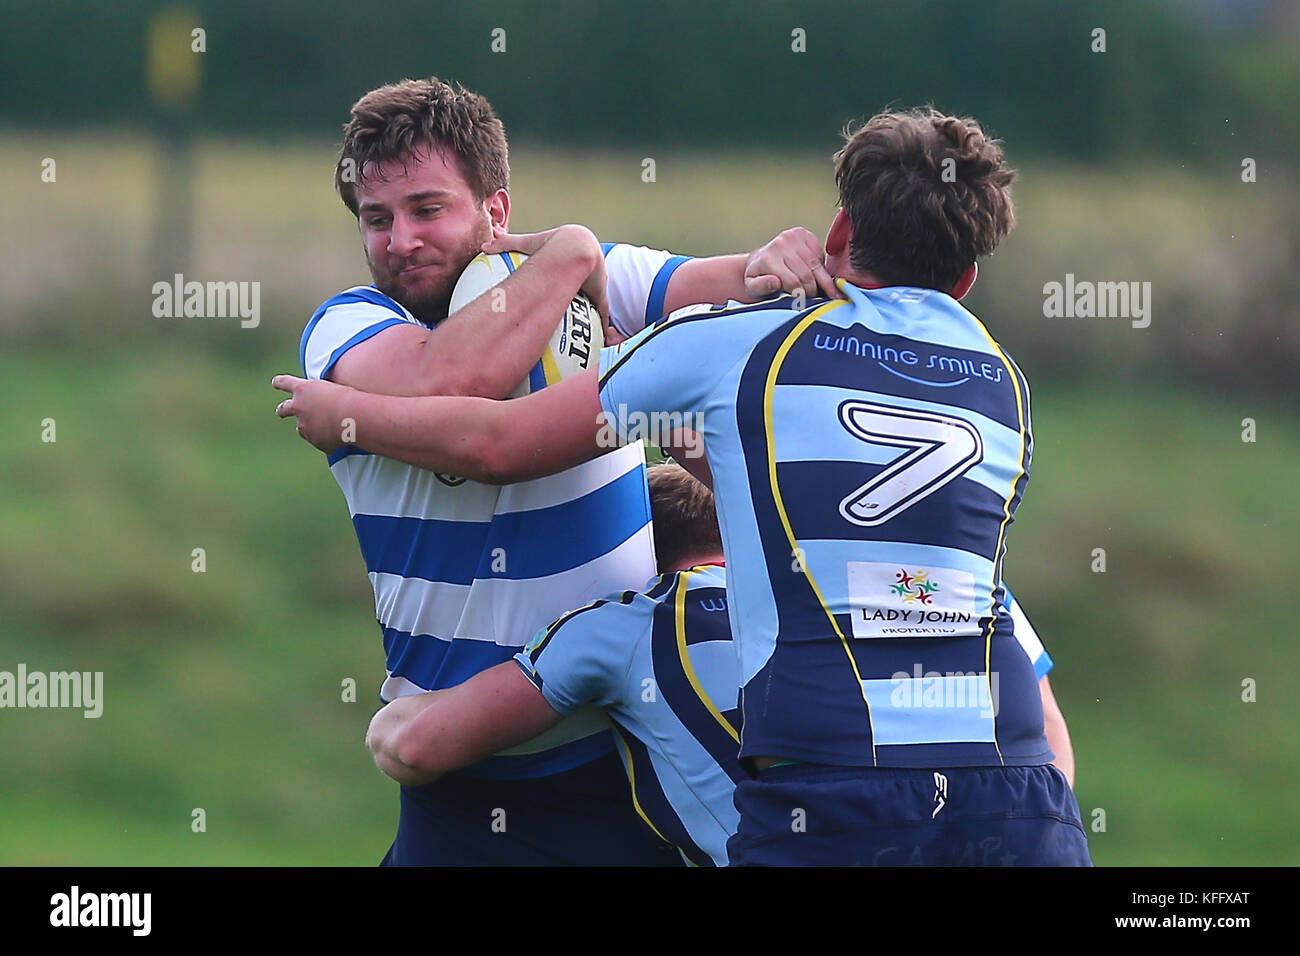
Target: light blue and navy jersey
868 456
662 663
464 572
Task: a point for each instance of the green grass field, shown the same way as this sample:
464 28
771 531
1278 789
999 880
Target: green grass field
224 689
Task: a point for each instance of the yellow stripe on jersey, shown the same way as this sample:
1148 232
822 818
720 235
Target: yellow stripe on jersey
768 391
1006 517
631 779
680 607
550 370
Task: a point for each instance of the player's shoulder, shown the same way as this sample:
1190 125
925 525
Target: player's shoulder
363 297
781 306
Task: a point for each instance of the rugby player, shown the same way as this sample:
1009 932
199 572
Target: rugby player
460 568
868 454
659 661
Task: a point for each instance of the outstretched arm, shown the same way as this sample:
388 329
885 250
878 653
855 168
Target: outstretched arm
418 738
493 442
794 259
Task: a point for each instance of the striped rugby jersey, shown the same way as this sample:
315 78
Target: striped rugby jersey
464 572
868 455
661 663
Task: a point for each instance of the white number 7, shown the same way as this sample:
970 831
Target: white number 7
942 448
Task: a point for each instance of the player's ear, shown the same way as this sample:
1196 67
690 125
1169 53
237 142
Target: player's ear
841 231
498 209
966 281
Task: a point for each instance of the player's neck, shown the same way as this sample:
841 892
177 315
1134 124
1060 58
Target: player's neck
695 560
863 280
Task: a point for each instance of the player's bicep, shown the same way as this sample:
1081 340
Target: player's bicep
390 362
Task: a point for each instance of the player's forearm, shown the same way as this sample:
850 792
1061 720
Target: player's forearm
486 441
715 280
449 434
495 709
1058 734
487 347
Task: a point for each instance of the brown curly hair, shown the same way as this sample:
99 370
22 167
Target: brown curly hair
392 122
927 194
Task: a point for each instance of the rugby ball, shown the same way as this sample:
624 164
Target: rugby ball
578 337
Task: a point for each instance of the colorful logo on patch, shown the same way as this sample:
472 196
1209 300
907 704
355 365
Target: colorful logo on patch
915 587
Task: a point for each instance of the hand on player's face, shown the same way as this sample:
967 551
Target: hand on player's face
421 225
794 260
316 404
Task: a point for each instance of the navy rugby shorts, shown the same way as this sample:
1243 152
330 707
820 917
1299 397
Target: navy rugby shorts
815 815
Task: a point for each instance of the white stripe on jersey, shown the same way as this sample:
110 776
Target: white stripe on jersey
418 606
375 485
512 611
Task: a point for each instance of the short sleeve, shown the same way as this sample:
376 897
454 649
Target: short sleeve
674 365
344 321
637 284
582 657
1029 638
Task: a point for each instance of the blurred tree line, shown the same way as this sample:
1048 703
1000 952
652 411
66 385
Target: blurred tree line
728 72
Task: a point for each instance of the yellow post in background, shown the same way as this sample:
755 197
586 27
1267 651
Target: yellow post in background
176 44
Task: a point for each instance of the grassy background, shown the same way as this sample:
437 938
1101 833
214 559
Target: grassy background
223 689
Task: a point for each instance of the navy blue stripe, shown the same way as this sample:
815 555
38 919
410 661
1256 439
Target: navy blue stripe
534 543
433 663
806 690
675 687
550 540
510 266
708 603
536 378
606 246
347 451
967 380
654 802
960 514
421 547
654 306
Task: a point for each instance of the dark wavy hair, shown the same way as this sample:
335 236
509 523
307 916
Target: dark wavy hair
393 122
927 194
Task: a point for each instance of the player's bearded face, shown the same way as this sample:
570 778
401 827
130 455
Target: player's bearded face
421 225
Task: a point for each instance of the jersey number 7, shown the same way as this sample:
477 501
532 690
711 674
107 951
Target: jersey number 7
941 448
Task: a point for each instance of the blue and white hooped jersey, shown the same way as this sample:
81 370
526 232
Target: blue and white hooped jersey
662 664
464 573
868 456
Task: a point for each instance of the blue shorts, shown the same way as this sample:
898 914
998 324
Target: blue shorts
581 817
814 815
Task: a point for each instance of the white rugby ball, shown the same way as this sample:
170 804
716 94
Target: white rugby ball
578 337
